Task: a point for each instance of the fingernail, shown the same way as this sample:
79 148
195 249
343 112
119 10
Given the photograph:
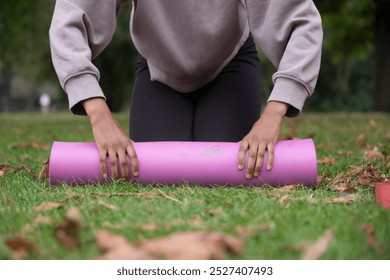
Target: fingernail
104 176
136 173
269 167
248 176
240 166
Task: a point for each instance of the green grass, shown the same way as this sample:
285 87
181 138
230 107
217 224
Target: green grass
280 228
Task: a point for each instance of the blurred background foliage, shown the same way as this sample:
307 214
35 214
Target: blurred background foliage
355 71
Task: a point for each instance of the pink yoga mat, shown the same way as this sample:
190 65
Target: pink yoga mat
202 163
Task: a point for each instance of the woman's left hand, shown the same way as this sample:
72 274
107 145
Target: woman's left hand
262 137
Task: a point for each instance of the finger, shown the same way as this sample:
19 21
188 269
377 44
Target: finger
259 160
103 163
252 157
133 159
113 164
123 165
270 161
241 153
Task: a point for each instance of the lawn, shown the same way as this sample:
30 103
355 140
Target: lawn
338 220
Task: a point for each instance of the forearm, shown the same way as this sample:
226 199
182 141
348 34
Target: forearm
276 108
96 109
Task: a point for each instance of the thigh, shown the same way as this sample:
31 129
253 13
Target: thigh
231 103
158 113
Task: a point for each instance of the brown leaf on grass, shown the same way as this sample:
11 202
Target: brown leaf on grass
361 139
4 168
372 239
47 206
341 187
189 245
44 172
192 245
116 247
388 135
373 154
327 161
289 187
21 166
21 247
68 232
372 123
26 144
319 247
366 175
356 176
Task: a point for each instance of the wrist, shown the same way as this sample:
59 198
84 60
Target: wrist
276 108
96 108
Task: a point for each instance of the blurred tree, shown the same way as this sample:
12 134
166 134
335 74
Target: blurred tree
353 30
25 51
348 32
24 44
381 93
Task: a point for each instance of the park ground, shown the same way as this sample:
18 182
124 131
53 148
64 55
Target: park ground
339 219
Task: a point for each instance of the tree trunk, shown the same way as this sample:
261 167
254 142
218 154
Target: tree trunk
381 94
5 88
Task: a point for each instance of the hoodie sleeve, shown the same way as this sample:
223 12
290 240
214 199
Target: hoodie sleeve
80 30
290 35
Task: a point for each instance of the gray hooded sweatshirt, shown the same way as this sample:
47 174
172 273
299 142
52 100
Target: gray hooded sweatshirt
188 42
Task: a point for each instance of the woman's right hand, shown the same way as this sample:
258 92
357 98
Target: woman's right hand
111 140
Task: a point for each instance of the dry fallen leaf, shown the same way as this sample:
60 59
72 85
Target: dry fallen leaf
116 247
361 139
69 231
356 176
289 187
4 168
188 245
372 123
44 172
319 247
192 245
47 206
388 135
21 247
373 154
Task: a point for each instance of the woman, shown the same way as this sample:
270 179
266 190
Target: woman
197 75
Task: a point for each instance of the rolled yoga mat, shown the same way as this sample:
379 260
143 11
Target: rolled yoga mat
201 163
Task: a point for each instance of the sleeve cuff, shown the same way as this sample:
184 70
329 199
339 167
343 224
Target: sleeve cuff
290 92
80 88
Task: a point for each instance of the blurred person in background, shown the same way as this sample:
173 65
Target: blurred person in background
44 103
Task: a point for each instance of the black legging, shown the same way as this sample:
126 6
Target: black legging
223 110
